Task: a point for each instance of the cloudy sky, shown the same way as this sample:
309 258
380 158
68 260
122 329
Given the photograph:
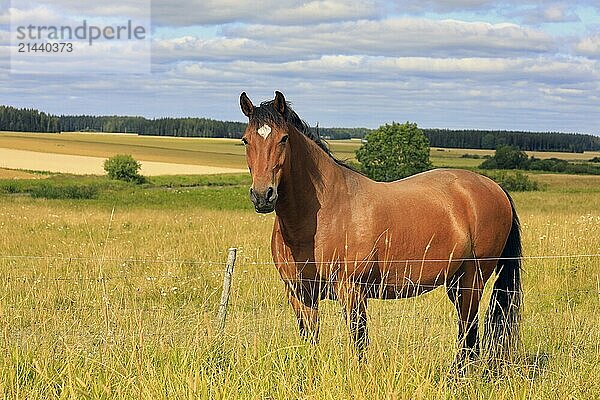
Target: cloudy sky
527 64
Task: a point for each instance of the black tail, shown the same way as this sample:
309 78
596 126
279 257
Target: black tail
502 320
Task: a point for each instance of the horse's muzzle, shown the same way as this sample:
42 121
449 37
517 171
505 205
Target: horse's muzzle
264 200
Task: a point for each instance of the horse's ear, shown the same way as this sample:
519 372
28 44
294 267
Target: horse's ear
246 104
279 103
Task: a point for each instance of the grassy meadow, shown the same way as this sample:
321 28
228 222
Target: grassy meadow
116 295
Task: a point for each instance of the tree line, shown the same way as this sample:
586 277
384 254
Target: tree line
27 120
183 127
30 120
529 141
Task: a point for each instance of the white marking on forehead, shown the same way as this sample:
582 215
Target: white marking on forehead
264 131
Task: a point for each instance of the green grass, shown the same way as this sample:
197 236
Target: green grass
222 192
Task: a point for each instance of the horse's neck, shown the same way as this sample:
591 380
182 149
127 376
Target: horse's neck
309 182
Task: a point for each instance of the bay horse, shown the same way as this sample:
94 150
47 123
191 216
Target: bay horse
340 235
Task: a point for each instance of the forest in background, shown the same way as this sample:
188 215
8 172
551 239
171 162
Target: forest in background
31 120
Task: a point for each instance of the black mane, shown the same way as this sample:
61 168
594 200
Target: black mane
266 113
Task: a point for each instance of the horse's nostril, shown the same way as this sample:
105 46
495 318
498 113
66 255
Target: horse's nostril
269 194
252 195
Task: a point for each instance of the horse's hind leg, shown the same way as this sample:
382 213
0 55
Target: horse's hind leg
306 307
464 290
354 305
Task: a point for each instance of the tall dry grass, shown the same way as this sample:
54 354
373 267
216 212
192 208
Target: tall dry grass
128 311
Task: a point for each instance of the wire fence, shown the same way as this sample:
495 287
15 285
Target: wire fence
405 286
352 261
256 317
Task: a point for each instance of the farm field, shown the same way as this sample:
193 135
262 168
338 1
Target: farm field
86 165
97 304
224 153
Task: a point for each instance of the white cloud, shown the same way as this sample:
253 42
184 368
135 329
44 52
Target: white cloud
42 15
105 8
409 6
396 36
545 13
559 13
394 69
537 10
389 37
589 46
205 12
215 49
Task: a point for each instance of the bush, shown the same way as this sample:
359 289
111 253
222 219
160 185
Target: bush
355 166
10 187
506 157
548 164
49 191
124 168
514 182
586 169
394 151
509 159
595 159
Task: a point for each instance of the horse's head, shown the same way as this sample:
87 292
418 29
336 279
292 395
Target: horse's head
266 141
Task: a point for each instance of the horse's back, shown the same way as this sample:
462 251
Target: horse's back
436 215
458 200
459 191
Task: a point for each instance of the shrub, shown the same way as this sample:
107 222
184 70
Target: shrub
514 182
354 165
10 187
506 157
50 191
548 164
124 168
394 151
595 159
511 158
582 169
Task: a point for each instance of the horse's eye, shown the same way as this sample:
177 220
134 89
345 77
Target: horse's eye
284 139
244 141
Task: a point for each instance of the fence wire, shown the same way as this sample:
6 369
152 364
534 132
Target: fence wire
408 286
207 262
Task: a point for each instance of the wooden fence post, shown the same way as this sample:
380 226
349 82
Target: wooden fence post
226 287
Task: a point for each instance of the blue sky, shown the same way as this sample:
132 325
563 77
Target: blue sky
532 65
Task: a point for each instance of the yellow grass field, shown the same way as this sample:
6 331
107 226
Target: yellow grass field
125 308
106 304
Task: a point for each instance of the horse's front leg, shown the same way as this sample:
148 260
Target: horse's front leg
354 305
306 307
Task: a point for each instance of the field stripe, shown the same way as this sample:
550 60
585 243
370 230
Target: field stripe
86 165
